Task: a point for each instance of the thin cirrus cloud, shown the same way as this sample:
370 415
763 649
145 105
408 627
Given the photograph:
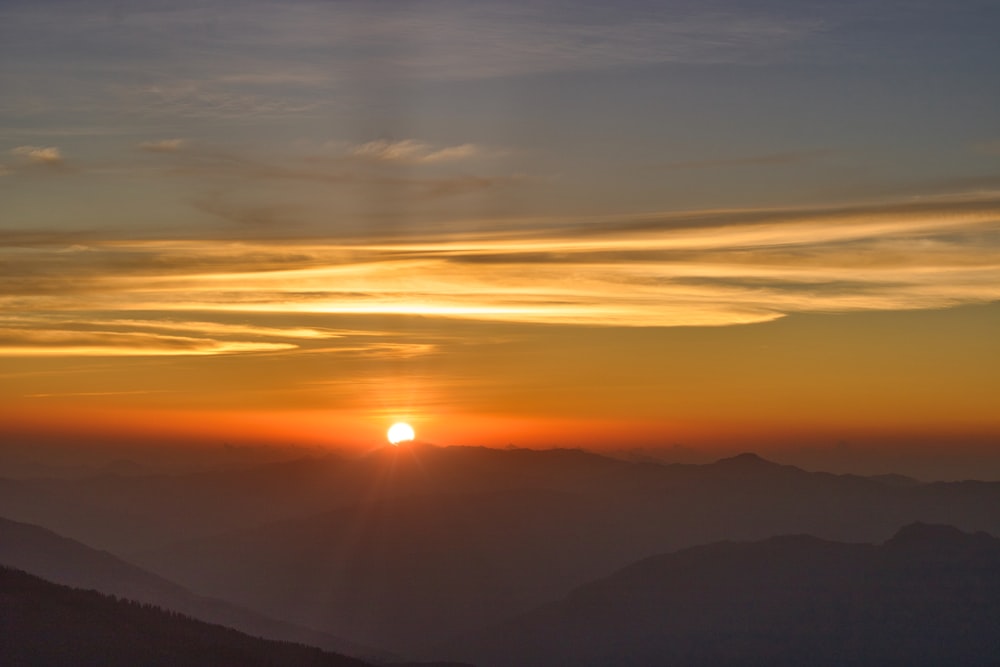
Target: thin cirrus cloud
715 268
284 58
162 145
411 151
35 342
208 99
87 334
778 159
348 165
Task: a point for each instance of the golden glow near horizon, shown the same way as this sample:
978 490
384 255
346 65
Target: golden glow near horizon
170 300
334 214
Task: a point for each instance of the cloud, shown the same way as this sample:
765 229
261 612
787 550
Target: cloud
344 168
275 59
378 350
412 152
209 98
684 269
248 215
450 153
47 156
482 40
777 159
162 145
83 334
34 342
204 328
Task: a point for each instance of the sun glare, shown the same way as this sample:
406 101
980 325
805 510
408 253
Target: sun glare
400 432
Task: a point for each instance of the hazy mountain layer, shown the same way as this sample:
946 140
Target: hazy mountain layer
928 596
404 548
47 625
63 561
130 513
483 534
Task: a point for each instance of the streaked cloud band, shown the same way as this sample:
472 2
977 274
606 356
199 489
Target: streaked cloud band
737 267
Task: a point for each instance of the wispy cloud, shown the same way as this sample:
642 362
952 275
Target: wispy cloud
34 342
337 164
162 145
205 98
271 59
48 156
489 40
412 151
708 268
81 333
777 159
74 394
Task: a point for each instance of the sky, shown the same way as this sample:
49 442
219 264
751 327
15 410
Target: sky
677 228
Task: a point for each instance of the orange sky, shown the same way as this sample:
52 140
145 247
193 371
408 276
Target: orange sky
620 225
929 376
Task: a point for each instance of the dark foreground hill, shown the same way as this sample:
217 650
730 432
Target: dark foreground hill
47 625
928 596
64 561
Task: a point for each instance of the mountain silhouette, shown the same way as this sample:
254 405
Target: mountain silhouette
404 573
928 596
745 461
64 561
454 538
403 548
43 624
124 514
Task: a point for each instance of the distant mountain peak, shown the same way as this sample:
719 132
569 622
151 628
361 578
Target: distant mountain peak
746 459
919 534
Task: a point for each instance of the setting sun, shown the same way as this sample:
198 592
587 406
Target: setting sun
400 432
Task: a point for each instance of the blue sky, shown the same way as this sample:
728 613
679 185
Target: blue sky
564 107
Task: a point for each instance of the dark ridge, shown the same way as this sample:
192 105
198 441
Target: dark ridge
894 480
47 625
928 535
58 559
744 459
917 600
750 462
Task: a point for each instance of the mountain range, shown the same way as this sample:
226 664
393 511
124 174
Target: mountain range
447 540
60 560
43 624
420 550
928 596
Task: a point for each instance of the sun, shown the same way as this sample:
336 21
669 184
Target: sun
400 432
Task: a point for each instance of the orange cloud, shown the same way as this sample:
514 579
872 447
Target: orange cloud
713 268
412 151
48 155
